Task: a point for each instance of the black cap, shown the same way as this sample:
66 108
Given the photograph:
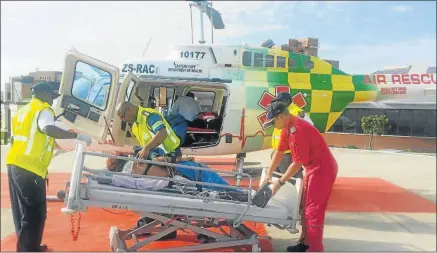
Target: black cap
282 97
273 111
45 87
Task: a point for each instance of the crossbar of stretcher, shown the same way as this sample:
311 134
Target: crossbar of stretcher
164 164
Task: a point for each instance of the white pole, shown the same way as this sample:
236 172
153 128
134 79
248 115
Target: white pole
202 39
212 26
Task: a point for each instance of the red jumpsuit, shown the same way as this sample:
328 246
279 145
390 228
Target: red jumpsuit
309 147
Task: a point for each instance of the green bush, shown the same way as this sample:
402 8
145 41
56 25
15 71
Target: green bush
374 125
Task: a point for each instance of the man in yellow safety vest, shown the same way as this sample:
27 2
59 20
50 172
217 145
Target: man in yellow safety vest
33 136
285 98
152 131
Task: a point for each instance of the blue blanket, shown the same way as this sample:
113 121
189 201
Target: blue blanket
202 176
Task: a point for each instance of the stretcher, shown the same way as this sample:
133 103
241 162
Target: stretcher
181 207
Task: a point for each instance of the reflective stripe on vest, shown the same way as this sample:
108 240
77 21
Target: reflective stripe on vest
276 135
31 149
144 134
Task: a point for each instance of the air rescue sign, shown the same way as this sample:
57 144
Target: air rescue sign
400 79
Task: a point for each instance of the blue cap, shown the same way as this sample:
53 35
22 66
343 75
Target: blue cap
273 111
45 87
283 97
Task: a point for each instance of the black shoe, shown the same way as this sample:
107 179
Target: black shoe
43 248
300 247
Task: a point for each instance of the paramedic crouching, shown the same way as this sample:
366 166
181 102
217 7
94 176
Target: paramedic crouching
33 136
308 149
152 131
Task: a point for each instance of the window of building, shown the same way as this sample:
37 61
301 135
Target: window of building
349 118
247 58
430 123
292 63
270 61
418 123
93 86
258 60
405 122
337 126
280 62
205 99
392 116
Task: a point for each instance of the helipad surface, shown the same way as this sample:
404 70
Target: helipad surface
382 202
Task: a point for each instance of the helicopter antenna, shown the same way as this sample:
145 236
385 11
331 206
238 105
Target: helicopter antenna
213 15
144 52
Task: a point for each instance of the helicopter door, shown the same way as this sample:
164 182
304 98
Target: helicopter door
88 92
127 88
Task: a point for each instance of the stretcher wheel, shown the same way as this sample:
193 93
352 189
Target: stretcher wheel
61 194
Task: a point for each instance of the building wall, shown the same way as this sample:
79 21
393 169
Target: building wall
417 144
46 76
20 87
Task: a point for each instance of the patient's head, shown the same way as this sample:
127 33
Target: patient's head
114 164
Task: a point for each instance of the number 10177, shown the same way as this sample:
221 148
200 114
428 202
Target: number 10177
192 54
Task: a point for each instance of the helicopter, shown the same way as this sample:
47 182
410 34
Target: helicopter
234 84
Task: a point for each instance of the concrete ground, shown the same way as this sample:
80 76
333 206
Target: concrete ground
343 231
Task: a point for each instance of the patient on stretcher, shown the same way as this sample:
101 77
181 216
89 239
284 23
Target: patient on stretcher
118 165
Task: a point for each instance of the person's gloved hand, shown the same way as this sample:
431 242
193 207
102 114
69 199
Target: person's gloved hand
84 138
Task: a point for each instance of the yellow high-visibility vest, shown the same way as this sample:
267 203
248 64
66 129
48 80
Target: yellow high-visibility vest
31 149
276 135
144 134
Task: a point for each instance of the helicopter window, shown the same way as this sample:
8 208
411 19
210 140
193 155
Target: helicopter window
292 63
309 64
170 99
91 85
280 62
258 60
270 62
205 99
129 90
247 58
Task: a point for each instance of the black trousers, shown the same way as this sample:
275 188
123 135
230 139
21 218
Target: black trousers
285 163
29 208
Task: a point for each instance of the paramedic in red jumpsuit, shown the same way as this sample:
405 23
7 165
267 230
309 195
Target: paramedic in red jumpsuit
308 149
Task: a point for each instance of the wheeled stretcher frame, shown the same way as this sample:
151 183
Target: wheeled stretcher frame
167 217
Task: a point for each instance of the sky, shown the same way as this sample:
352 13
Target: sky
364 36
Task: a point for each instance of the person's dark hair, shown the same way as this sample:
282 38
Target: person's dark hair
116 165
190 94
